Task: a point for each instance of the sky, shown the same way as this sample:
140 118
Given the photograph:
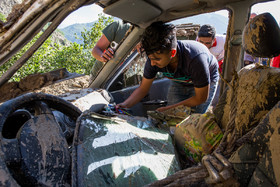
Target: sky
85 14
90 13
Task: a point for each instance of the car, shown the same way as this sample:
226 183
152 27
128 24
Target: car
80 139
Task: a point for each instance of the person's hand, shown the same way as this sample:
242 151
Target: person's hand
120 105
139 49
161 109
107 55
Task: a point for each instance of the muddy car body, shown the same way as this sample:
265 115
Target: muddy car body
67 144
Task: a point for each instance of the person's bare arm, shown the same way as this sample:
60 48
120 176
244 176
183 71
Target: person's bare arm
201 95
138 94
101 51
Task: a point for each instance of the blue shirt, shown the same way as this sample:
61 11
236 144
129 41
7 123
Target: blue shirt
196 65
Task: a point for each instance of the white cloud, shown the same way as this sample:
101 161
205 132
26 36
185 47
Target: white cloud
271 7
84 14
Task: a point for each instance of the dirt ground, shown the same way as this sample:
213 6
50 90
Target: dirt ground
57 83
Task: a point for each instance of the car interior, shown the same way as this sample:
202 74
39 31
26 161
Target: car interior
47 141
233 59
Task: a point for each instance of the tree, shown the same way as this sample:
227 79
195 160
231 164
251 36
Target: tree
2 17
74 57
92 36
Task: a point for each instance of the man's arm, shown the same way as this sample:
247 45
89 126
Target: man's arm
201 95
138 94
100 51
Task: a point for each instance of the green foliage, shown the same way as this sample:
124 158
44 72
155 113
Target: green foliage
73 32
34 65
74 57
2 17
90 37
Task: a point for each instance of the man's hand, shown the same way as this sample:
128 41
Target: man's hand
102 51
107 54
120 105
161 109
139 49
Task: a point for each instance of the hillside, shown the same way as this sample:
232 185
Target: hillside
73 31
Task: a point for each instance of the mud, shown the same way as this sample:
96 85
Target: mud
274 143
254 32
70 86
56 82
257 91
261 36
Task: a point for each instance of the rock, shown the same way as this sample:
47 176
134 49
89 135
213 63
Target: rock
7 5
55 82
32 82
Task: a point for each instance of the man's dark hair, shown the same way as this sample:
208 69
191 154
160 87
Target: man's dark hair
159 37
207 31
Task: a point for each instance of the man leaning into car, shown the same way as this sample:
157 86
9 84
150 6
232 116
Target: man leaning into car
189 64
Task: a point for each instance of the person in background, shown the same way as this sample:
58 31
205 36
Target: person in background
189 64
275 62
214 42
102 51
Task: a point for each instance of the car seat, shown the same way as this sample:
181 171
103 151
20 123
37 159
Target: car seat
255 163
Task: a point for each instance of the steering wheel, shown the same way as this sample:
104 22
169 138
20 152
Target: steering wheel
34 140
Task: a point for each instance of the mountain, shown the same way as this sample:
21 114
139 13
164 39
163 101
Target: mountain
218 21
70 31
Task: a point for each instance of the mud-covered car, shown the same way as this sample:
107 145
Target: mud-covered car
79 138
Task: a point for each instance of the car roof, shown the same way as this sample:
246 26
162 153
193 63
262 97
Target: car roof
162 10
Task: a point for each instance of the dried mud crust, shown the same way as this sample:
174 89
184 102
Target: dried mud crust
257 91
72 85
56 82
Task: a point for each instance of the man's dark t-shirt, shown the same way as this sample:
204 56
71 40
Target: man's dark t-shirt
196 66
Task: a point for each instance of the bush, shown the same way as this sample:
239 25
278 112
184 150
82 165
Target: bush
2 17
